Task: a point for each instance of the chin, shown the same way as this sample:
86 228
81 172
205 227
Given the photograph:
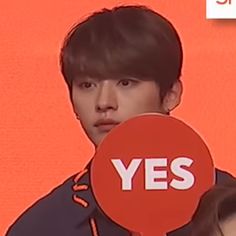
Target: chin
96 141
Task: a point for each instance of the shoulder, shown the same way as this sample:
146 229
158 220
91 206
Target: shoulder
223 177
48 214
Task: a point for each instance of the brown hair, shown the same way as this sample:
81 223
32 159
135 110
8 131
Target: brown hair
126 41
215 206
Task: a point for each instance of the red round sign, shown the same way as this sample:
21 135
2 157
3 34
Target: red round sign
149 172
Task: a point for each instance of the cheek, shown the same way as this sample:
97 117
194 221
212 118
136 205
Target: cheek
151 97
84 111
84 114
81 103
143 100
151 100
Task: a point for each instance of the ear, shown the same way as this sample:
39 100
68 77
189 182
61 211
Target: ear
173 97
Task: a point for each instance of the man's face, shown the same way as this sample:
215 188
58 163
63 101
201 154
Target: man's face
102 104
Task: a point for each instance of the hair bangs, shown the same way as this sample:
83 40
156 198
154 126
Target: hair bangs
111 58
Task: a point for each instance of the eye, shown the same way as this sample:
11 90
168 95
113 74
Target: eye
127 82
86 85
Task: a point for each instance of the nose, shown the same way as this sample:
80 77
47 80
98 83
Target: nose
106 99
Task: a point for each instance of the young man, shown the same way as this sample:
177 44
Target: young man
117 64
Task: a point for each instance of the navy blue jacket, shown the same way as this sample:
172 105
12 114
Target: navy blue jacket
66 211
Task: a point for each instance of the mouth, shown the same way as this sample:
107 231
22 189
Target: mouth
105 125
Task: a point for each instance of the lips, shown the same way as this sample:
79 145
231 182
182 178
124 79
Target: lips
105 125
